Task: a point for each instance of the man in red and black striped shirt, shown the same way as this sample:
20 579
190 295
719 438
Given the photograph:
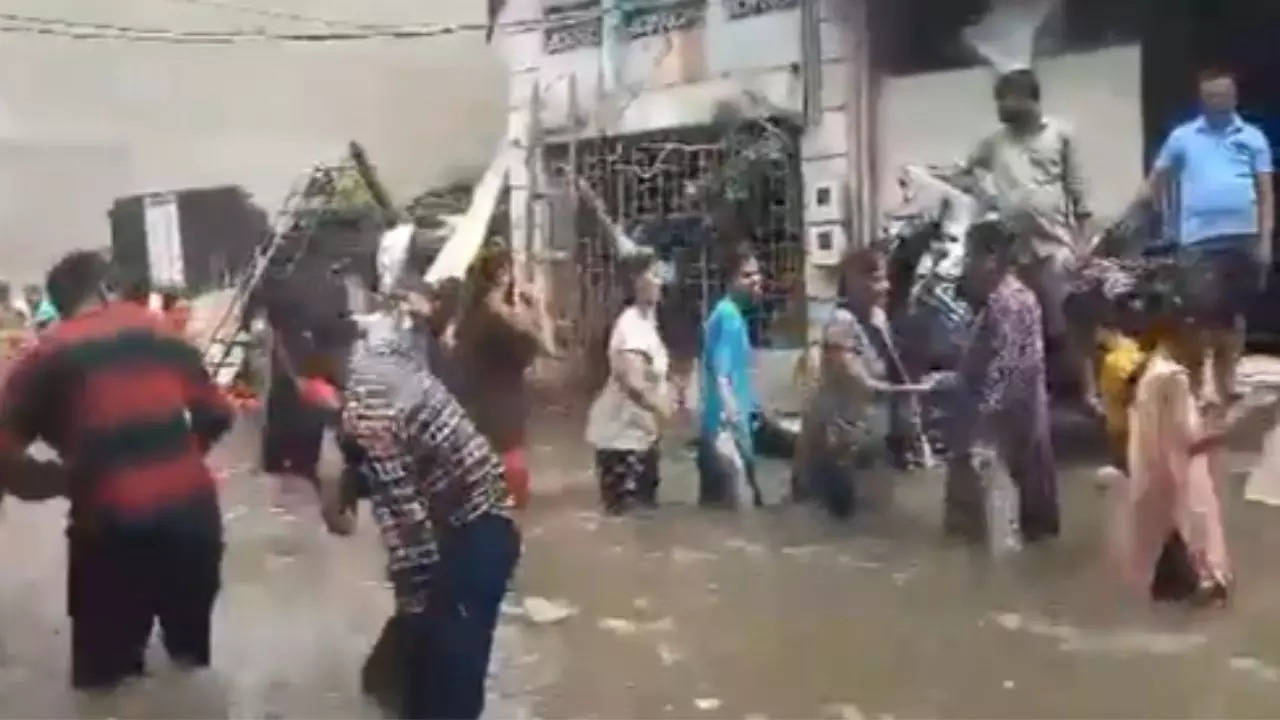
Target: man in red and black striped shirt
131 411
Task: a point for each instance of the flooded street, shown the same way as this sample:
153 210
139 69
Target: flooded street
684 613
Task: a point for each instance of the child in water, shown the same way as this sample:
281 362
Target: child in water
1167 533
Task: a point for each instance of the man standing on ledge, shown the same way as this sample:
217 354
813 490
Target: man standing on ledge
1222 167
1035 170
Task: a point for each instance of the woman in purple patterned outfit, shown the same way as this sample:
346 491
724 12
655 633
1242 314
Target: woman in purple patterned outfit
1002 397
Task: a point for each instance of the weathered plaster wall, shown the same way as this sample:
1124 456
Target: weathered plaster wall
664 80
939 117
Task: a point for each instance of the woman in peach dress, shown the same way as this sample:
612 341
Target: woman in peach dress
1168 534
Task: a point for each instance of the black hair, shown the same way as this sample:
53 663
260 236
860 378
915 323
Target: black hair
136 289
1209 73
638 263
76 278
169 299
449 290
990 238
736 256
1023 83
633 266
493 260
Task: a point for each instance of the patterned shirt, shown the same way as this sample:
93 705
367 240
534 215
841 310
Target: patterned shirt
863 417
1003 370
129 407
427 468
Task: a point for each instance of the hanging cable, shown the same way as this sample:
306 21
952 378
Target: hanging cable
15 23
95 30
284 14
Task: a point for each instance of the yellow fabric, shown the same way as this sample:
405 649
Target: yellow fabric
1122 357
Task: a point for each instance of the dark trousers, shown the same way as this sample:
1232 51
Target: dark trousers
293 434
446 650
836 485
627 476
120 582
1175 578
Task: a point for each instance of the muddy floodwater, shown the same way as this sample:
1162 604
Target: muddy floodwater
680 613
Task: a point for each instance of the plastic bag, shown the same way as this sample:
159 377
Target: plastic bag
1004 536
738 484
1263 485
982 502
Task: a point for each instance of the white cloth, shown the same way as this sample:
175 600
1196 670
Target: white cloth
617 422
728 456
1263 485
393 254
1006 36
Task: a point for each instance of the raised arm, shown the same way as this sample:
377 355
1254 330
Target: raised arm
965 175
1163 171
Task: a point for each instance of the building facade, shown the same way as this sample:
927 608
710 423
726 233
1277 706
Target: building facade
687 125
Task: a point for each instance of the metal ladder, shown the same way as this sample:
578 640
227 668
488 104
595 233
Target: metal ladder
295 222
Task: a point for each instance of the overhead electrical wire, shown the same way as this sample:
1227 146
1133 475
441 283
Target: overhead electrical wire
20 24
281 14
76 29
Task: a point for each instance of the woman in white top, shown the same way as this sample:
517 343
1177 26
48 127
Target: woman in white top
625 421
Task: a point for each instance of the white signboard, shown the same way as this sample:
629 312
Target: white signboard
164 241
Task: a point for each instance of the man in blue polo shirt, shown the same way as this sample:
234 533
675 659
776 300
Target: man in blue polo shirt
1222 167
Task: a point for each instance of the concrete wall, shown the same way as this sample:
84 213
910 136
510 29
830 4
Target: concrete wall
939 117
661 81
84 122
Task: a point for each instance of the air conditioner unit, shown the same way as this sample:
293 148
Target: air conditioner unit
826 244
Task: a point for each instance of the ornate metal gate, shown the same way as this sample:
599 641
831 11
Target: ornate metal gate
687 194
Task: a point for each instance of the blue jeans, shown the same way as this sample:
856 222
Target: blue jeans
446 650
